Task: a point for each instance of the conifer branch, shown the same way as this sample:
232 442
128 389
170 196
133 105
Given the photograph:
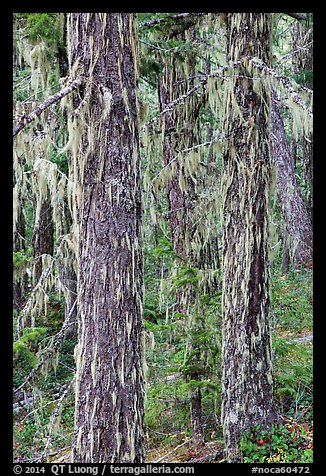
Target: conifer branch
24 120
39 287
181 99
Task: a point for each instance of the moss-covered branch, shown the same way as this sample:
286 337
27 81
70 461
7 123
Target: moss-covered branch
24 120
287 83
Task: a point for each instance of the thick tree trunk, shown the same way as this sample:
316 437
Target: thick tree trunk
110 387
246 362
295 214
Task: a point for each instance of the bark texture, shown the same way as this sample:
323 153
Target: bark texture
110 387
246 361
295 214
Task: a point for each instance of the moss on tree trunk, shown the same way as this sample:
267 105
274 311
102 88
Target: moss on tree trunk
247 367
110 384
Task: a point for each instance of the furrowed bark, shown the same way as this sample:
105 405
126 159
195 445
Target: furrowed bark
246 361
110 387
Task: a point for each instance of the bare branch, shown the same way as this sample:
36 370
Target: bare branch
51 100
286 83
170 452
297 16
181 99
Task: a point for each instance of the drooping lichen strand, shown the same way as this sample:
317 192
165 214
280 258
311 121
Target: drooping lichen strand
247 366
33 170
110 353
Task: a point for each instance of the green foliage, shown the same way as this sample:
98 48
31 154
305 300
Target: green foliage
149 69
61 161
292 300
24 352
282 443
293 385
172 366
291 308
164 248
22 257
185 276
305 77
45 26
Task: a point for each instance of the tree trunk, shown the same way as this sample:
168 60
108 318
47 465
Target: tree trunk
196 415
246 361
67 272
66 266
42 237
175 196
302 67
181 194
19 282
286 253
295 214
110 391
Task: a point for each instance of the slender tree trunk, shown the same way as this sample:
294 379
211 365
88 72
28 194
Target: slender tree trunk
19 283
175 197
42 237
67 272
295 214
286 253
110 387
181 194
302 39
66 266
246 362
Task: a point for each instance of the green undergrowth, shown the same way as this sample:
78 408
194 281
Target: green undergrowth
287 442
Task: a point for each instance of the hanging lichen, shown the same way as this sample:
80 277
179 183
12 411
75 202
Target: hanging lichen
247 377
34 149
103 143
